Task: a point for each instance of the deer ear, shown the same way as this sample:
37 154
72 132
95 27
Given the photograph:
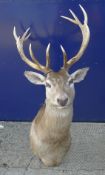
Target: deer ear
79 75
34 77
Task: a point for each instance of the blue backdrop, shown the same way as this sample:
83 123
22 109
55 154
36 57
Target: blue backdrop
19 99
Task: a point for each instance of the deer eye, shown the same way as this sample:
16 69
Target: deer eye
70 81
48 85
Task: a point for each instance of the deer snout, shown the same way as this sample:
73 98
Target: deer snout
62 102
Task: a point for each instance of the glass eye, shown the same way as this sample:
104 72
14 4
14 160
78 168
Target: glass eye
70 81
48 85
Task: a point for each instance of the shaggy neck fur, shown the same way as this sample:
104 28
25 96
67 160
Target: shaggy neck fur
58 118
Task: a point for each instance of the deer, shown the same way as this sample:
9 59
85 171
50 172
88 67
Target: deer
50 135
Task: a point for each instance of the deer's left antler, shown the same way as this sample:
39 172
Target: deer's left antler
86 36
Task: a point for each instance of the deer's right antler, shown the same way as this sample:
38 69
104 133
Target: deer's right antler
86 36
34 63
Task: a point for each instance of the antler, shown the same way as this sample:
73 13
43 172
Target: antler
86 36
34 63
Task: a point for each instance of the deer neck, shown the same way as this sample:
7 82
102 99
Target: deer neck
58 117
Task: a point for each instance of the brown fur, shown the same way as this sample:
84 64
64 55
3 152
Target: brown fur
50 130
52 133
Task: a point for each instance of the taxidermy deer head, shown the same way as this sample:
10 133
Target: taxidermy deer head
60 94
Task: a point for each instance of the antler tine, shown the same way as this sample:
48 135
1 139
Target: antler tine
64 57
19 43
26 35
85 33
32 55
47 56
14 33
85 14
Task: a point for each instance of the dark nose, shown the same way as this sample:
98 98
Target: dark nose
62 102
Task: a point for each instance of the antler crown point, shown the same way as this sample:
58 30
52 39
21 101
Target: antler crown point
30 45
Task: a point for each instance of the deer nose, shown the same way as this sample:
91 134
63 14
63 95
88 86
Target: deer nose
62 102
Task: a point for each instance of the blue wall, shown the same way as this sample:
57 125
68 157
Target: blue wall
19 99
